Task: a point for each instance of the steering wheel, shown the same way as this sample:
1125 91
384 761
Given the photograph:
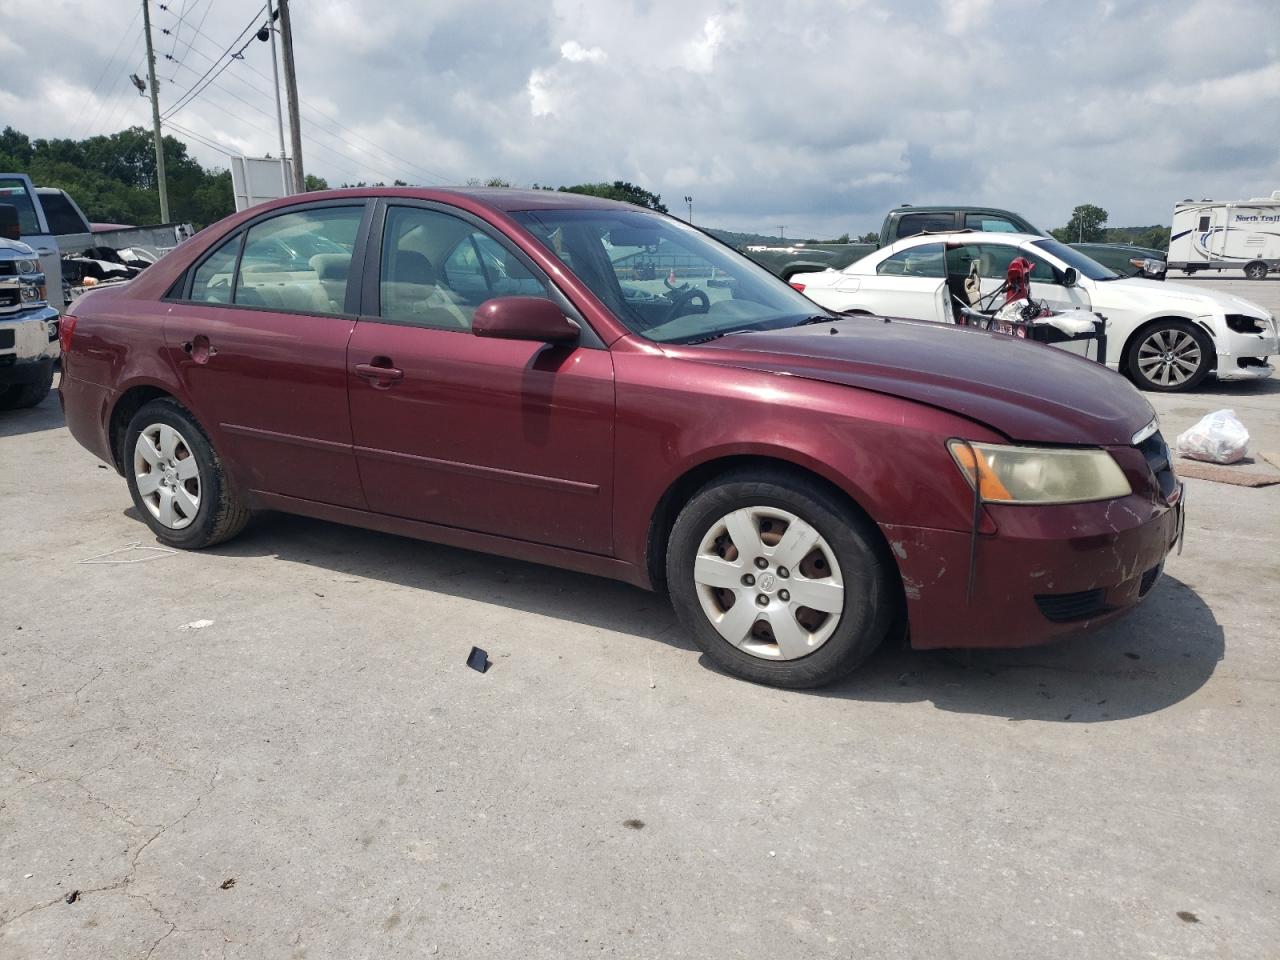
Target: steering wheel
682 298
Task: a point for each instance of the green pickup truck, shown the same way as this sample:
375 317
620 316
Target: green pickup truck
907 221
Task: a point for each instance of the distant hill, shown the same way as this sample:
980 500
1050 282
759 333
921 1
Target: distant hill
735 239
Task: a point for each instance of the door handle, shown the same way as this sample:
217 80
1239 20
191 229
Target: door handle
380 373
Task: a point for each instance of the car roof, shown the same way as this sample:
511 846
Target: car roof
949 208
505 199
970 236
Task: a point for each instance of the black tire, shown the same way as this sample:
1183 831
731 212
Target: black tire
1256 270
870 598
1174 329
21 396
221 513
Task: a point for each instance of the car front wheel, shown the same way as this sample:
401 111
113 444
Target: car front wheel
177 480
1169 356
1256 271
778 581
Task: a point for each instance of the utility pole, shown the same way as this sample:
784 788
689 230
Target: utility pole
291 91
155 114
782 229
275 76
689 201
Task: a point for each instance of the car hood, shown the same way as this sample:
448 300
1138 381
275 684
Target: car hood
1030 392
1147 295
16 248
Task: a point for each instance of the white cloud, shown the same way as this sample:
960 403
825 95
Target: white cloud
575 52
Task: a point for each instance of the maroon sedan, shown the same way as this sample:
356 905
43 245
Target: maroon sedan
591 385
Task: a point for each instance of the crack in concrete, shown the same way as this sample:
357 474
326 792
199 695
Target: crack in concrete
123 884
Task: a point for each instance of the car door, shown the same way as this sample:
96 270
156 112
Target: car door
909 283
260 345
506 437
1046 280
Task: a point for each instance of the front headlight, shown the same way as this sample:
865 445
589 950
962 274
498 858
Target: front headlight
28 266
1009 474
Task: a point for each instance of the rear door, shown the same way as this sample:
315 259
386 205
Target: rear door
910 283
505 437
259 339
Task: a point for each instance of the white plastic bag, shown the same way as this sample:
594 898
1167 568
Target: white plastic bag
1219 438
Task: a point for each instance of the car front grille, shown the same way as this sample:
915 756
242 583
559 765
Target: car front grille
10 298
1066 607
1156 452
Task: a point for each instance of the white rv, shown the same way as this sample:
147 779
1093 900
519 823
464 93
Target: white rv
1226 235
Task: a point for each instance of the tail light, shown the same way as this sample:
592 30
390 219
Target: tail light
798 286
66 330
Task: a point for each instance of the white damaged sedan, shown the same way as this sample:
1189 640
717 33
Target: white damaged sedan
1163 336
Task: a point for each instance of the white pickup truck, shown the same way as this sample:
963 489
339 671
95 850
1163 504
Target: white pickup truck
28 324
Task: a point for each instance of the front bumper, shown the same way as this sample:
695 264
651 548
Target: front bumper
28 345
1243 356
1048 572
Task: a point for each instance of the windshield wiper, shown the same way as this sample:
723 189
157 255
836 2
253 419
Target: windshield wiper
819 318
716 336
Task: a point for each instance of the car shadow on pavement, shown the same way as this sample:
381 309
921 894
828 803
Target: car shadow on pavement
1213 387
1157 656
46 415
1160 654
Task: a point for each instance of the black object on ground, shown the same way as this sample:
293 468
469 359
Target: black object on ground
477 659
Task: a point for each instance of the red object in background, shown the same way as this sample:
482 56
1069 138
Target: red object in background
672 280
579 455
1018 280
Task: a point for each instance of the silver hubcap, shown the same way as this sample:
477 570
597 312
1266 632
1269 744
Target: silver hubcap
167 475
1169 357
769 583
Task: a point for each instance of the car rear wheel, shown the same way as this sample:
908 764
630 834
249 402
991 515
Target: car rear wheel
778 581
177 480
1256 270
1169 356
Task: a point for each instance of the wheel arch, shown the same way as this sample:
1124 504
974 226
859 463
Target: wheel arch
1142 328
127 404
682 489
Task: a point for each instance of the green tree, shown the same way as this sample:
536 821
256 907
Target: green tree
1087 225
620 190
311 183
870 236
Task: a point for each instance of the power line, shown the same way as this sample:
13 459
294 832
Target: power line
314 110
195 89
201 139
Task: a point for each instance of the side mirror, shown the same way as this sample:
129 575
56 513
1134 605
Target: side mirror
1070 278
524 318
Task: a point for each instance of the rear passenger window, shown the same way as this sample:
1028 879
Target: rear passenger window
989 223
926 260
299 262
437 268
212 281
914 223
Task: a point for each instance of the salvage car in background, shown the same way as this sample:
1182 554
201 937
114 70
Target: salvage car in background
532 374
1163 336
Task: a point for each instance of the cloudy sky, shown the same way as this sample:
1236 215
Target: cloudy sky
814 115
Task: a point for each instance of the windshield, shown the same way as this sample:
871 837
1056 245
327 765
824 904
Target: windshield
1085 266
664 280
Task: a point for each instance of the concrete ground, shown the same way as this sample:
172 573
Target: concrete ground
314 772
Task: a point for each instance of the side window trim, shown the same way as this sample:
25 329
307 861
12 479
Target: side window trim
351 309
370 306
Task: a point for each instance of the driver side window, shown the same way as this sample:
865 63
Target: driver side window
437 268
